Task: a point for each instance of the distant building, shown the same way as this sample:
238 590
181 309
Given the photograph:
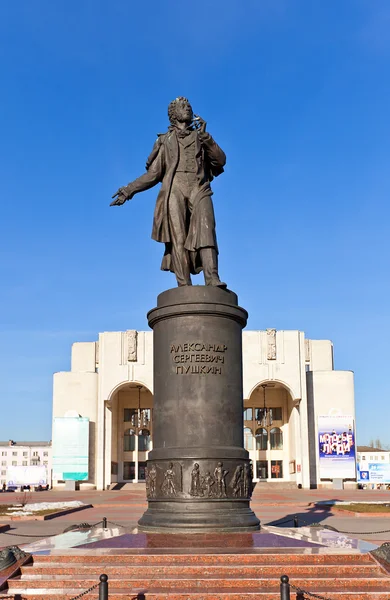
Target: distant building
372 455
111 383
24 454
373 467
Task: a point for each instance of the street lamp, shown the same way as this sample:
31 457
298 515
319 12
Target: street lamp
264 415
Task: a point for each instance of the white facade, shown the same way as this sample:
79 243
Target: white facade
111 382
372 455
24 454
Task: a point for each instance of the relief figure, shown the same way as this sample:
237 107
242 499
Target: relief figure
168 487
151 476
237 482
219 476
207 484
196 488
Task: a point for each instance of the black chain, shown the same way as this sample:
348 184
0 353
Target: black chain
116 524
304 593
93 587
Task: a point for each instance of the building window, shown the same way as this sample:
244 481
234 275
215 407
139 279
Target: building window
276 469
14 463
363 458
382 457
262 469
276 414
45 463
144 440
14 453
128 470
276 437
261 439
25 453
4 473
248 414
4 453
248 439
371 458
142 471
3 463
35 454
45 454
24 463
376 458
129 441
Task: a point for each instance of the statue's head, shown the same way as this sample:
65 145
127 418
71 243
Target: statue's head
180 110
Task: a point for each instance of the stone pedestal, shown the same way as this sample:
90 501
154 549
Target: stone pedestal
199 475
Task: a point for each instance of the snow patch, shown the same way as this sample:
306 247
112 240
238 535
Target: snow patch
30 509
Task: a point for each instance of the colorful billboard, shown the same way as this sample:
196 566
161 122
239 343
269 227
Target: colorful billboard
70 448
336 441
369 472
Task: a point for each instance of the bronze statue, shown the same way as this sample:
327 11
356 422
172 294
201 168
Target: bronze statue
185 160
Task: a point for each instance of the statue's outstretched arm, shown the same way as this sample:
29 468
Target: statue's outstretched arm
153 175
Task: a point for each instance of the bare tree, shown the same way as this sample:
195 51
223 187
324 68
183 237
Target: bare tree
378 444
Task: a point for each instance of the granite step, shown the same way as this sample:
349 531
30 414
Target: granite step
161 594
57 570
200 576
283 556
376 583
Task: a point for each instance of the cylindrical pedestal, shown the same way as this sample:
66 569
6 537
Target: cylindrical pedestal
199 476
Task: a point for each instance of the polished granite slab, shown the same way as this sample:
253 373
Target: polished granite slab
99 540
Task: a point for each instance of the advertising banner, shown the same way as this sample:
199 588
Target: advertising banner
70 448
26 476
369 472
336 441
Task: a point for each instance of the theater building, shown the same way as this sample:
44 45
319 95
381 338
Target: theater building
288 382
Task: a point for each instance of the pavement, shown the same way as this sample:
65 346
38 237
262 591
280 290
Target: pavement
273 507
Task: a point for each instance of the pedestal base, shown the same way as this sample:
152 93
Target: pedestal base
199 477
224 516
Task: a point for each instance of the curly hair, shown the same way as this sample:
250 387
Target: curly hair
172 107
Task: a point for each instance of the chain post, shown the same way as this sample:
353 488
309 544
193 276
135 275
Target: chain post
296 521
103 587
104 522
284 588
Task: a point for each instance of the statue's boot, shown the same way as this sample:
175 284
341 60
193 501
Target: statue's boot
209 258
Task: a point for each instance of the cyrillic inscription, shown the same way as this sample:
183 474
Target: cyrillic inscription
198 358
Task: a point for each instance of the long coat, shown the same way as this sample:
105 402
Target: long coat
161 167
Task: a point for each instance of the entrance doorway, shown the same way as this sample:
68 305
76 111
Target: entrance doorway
132 433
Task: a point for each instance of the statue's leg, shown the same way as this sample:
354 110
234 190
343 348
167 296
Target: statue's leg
209 258
177 208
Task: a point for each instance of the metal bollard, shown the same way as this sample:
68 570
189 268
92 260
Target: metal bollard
296 521
284 588
104 522
103 587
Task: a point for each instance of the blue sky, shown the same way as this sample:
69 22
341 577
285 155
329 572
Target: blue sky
297 93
